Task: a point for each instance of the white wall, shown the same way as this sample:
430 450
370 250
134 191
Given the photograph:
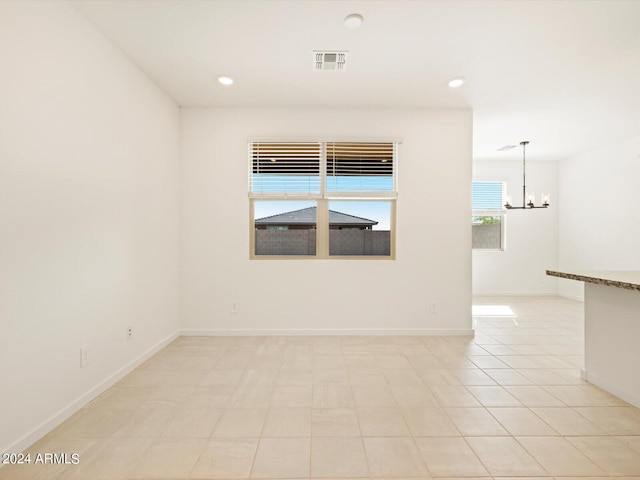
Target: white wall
89 220
531 236
599 215
433 232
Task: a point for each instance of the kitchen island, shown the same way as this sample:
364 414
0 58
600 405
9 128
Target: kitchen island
612 330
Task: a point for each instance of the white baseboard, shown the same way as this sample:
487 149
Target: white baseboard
327 332
631 397
59 417
515 294
571 296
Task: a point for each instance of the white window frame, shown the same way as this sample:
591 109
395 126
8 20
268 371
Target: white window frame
322 200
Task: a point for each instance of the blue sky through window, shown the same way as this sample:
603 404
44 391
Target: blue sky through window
374 183
378 211
266 183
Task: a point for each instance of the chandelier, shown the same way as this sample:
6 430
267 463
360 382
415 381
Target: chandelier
527 202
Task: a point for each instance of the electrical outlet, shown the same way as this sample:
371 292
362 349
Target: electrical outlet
433 307
129 333
234 307
84 356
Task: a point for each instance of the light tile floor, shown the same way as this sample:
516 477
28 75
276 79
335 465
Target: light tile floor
507 403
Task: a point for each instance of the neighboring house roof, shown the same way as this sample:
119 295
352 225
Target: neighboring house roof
307 216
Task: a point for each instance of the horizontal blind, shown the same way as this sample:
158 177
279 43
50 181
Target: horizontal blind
291 168
358 167
487 196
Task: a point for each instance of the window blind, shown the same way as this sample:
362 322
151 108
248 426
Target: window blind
323 169
361 167
288 168
487 196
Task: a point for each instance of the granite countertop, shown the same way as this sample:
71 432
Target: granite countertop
627 279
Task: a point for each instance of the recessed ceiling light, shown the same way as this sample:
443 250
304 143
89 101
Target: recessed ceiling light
353 20
224 80
456 82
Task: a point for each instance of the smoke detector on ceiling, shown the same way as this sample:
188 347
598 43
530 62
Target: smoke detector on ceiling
336 60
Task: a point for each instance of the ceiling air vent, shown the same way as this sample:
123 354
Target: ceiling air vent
329 60
506 148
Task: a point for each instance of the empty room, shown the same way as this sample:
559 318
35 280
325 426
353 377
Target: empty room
319 239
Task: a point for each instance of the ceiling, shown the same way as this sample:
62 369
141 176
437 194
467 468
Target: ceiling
564 75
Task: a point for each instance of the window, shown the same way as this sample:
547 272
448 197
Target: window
488 220
284 170
359 168
353 230
284 227
322 199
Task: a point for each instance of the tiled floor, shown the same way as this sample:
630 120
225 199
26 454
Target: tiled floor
507 403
